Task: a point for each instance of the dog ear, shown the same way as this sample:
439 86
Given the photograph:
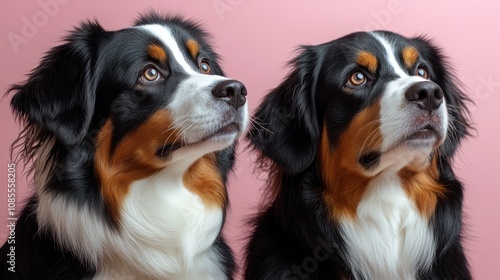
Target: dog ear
285 127
456 100
59 96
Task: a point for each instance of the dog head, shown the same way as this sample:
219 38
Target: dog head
370 102
129 103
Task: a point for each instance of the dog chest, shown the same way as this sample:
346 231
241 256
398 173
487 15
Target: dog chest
169 230
389 239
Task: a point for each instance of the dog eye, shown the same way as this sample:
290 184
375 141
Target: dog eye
205 67
422 72
357 79
151 74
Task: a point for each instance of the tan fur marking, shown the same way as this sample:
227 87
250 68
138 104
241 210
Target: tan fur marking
158 53
193 47
367 60
343 178
133 158
410 56
423 187
203 179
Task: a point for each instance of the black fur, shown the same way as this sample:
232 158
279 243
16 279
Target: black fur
294 237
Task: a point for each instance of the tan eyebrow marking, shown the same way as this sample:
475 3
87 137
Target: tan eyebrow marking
410 56
158 53
368 60
193 47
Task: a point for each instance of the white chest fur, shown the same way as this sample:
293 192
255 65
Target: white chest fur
167 232
389 239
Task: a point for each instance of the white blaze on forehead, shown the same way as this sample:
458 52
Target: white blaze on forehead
390 54
394 114
165 35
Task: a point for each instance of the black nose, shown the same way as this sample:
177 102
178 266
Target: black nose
232 91
427 95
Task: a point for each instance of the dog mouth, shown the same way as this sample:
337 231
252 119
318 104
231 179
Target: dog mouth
424 135
221 134
224 131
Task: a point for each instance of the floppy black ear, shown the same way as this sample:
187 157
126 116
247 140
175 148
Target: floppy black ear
286 128
456 100
59 96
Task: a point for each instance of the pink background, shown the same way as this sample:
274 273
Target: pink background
256 38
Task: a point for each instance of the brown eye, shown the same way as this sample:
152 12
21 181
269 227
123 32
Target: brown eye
205 67
357 79
150 74
422 72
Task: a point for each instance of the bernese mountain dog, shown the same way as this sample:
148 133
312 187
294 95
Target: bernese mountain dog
131 135
358 141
